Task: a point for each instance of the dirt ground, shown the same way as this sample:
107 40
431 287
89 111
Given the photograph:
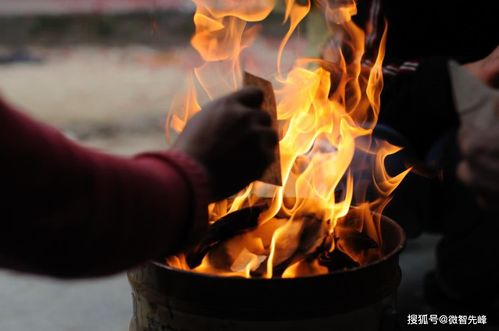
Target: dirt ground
99 95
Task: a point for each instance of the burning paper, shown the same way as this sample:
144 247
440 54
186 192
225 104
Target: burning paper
273 173
247 261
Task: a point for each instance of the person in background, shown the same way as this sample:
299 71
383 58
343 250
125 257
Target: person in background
71 212
460 196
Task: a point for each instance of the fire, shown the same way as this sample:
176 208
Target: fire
335 182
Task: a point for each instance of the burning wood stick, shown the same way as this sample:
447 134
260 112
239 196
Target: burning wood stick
273 174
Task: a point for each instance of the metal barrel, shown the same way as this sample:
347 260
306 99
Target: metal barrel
167 299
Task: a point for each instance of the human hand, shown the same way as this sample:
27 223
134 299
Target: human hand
479 167
487 69
232 139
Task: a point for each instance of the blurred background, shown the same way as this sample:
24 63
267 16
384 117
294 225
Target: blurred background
105 73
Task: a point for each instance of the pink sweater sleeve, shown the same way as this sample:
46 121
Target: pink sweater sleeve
68 211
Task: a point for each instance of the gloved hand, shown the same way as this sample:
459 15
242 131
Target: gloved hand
232 139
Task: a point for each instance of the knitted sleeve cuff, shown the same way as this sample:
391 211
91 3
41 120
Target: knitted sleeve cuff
197 181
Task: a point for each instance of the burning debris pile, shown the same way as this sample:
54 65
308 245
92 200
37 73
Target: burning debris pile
326 214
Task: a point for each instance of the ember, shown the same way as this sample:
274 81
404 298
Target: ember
326 215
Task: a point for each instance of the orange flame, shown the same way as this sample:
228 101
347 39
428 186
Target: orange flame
295 13
328 111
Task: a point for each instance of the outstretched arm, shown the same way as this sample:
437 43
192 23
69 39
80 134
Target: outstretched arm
74 212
